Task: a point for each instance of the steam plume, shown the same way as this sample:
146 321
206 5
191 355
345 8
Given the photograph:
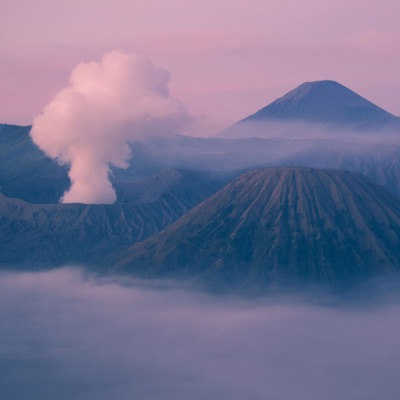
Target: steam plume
89 123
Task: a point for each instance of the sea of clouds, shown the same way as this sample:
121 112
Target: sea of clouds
69 335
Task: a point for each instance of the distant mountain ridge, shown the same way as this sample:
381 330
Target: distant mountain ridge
326 103
27 173
276 224
47 235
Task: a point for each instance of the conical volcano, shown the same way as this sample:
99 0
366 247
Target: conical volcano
275 225
327 104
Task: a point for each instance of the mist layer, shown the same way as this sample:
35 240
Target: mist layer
66 335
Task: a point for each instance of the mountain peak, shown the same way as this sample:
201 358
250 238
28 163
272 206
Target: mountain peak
327 103
304 224
329 92
316 88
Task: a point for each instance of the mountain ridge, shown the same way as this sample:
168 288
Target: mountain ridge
303 224
54 234
326 104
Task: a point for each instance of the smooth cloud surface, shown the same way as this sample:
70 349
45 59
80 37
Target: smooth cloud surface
107 104
67 336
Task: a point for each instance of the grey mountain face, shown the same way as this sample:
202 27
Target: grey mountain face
51 234
316 107
278 224
326 102
25 171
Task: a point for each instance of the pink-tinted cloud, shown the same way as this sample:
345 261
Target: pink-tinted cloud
88 124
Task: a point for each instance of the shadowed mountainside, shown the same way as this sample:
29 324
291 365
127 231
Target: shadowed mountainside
278 224
40 235
25 170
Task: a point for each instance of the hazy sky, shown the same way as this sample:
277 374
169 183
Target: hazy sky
227 58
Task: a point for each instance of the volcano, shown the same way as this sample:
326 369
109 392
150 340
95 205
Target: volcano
300 225
44 235
322 104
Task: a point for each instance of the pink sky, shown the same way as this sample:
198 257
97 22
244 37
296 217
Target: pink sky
227 58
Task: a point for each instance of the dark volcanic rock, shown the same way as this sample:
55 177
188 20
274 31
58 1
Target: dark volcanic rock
276 225
25 171
42 235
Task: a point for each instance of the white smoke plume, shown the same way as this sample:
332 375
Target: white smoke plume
107 104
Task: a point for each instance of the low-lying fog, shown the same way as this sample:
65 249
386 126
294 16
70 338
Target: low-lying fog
66 335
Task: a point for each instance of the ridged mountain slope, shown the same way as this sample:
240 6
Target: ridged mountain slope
277 224
42 235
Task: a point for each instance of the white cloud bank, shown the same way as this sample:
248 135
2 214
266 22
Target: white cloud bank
67 336
88 125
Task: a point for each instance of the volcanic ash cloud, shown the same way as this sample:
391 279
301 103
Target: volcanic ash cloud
107 104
